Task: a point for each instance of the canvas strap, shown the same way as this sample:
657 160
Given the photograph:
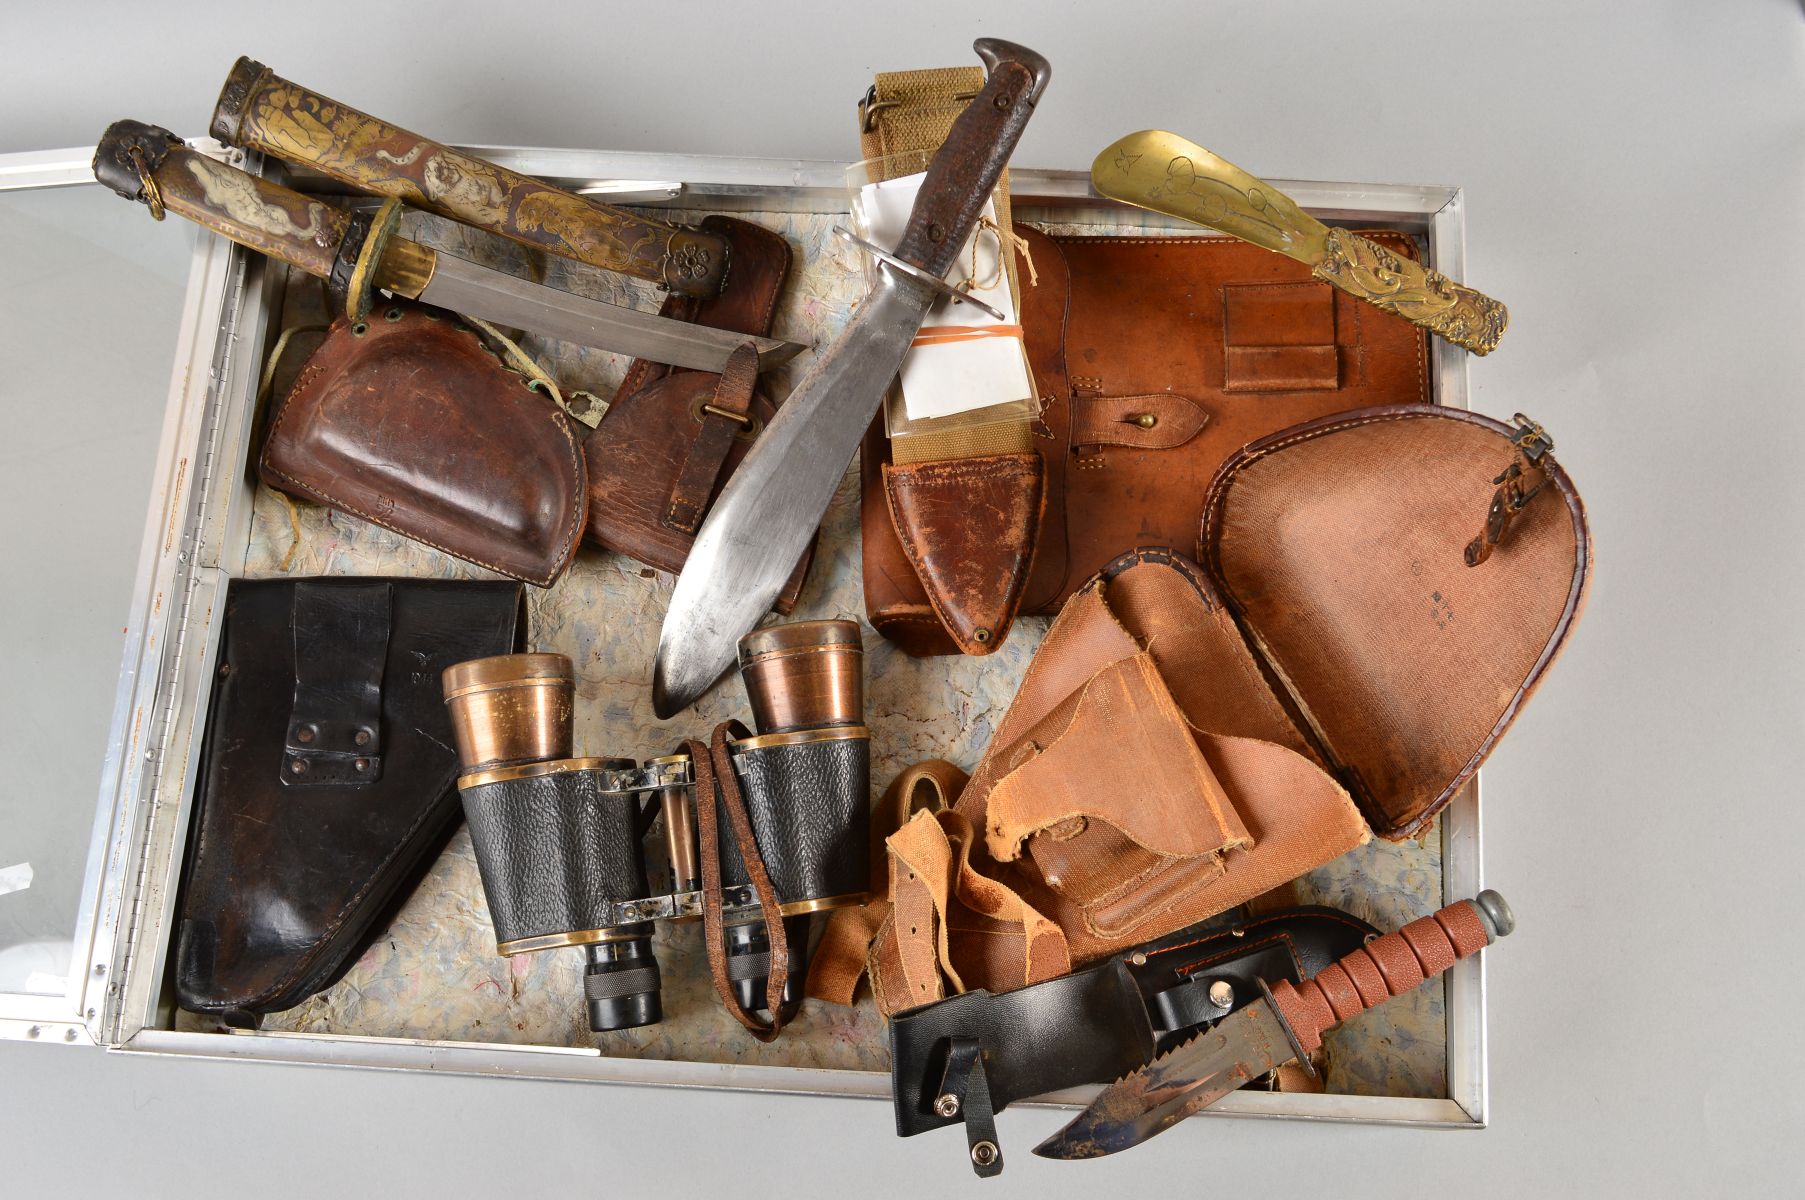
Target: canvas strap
911 111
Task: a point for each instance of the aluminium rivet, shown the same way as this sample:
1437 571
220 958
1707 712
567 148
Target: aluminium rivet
946 1105
984 1153
362 737
68 1035
1222 994
33 1031
1138 959
304 734
298 767
362 764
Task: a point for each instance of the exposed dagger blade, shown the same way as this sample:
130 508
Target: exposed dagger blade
1165 173
1185 1079
772 503
467 287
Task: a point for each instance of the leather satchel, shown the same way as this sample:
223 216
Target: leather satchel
326 777
408 420
1155 358
673 436
1380 593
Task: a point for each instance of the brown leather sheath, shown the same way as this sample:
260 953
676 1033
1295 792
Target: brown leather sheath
673 436
408 420
963 506
1155 359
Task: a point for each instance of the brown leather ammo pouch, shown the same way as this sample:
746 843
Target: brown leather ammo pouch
408 420
672 436
326 778
1155 359
1381 591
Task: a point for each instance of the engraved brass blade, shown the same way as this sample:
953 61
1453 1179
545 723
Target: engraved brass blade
1163 172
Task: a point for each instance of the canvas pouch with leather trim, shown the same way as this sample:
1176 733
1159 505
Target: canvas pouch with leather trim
1155 359
408 420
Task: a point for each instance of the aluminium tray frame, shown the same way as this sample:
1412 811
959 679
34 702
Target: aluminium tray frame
196 533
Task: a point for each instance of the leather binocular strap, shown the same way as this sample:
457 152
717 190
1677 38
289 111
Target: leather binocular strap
718 788
839 960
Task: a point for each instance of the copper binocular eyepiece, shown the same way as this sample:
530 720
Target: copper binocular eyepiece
559 839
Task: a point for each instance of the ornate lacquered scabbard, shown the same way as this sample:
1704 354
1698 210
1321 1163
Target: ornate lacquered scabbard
260 110
1165 173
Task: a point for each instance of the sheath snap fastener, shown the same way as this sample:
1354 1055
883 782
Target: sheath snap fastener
947 1105
984 1153
1221 993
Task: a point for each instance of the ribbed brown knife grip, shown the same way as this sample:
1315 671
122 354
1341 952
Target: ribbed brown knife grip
259 109
151 165
1389 966
968 164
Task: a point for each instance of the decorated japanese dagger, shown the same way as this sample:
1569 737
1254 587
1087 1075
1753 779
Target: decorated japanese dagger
359 254
260 110
1163 172
771 505
1288 1022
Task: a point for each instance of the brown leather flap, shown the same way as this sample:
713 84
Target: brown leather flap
1340 543
1118 735
409 422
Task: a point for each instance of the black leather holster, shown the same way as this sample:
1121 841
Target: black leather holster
325 779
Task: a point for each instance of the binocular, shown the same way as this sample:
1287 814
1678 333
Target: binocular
561 842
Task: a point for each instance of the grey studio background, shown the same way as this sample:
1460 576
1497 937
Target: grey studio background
1633 179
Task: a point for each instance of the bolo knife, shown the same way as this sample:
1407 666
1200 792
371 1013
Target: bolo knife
1286 1022
359 254
772 503
1164 173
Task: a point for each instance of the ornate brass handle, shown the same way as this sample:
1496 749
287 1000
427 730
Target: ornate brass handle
1369 271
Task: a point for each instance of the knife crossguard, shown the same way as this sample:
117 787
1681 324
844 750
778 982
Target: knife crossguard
1389 966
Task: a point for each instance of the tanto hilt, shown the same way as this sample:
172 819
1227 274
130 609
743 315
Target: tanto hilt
260 110
1389 966
154 167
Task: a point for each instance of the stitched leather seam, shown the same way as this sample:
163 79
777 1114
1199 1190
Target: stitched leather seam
566 549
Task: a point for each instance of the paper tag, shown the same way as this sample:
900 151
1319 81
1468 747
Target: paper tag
962 367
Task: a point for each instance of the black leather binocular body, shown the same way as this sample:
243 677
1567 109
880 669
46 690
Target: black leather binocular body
561 842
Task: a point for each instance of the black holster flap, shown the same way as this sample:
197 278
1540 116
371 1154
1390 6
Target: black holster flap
326 777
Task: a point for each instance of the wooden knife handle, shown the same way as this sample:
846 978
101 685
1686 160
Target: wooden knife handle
1367 270
1390 966
258 109
965 169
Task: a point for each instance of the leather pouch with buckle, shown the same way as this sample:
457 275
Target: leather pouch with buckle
1155 359
326 778
672 436
408 420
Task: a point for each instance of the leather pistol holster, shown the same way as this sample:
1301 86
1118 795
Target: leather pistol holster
408 420
326 778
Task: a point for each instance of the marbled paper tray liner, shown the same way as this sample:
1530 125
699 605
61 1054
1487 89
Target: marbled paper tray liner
434 973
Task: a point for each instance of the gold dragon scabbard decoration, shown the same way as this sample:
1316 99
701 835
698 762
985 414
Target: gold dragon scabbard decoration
1164 173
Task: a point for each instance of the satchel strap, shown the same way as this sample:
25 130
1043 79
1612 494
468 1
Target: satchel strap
965 1092
723 419
341 634
717 790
